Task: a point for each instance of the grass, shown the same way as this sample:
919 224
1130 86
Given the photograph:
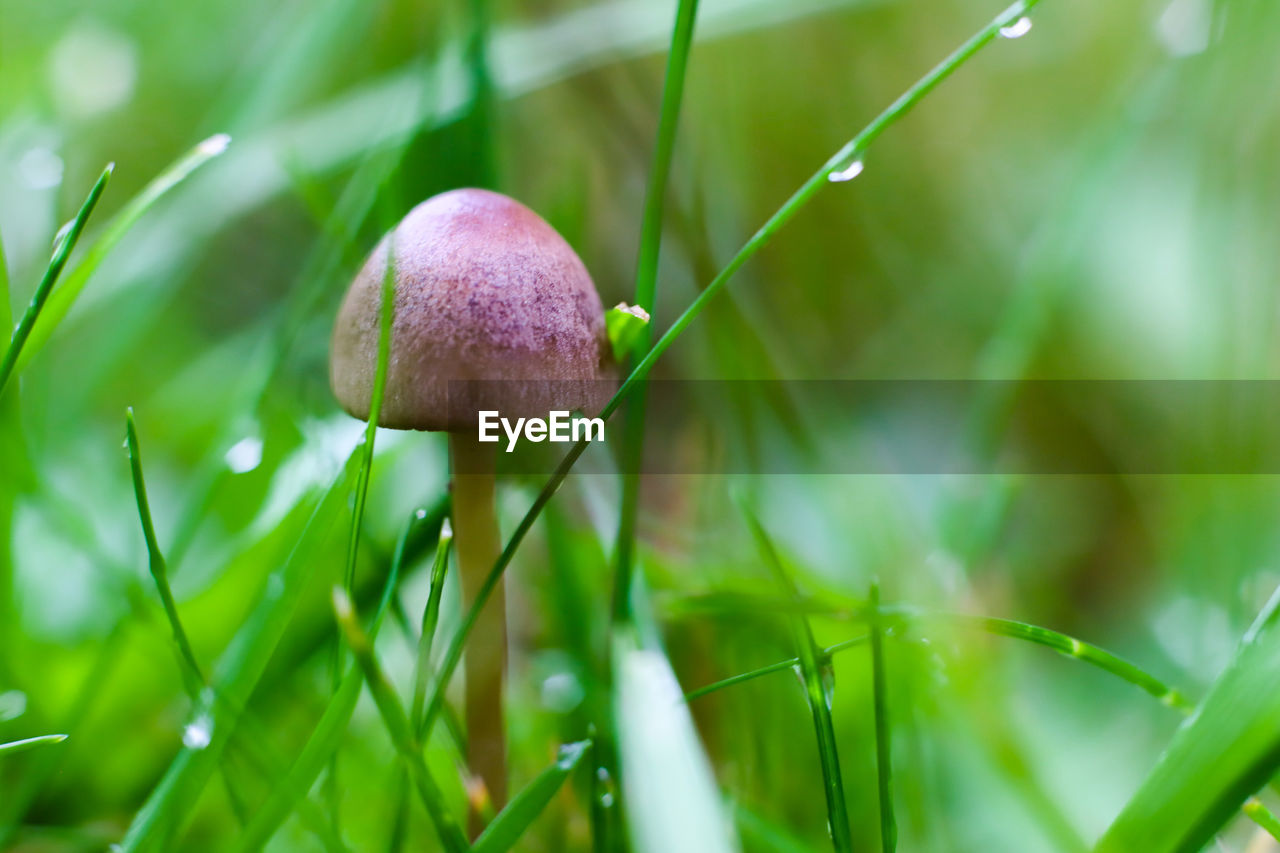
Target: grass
819 693
607 685
63 244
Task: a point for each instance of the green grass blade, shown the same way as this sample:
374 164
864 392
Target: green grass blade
506 830
61 302
14 747
1079 650
1228 749
386 317
884 763
430 620
242 665
646 292
673 803
781 217
1263 817
816 689
398 726
328 733
191 670
62 250
780 666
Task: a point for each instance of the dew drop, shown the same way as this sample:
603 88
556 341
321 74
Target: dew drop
214 145
199 732
62 234
244 455
13 704
1017 29
41 168
848 173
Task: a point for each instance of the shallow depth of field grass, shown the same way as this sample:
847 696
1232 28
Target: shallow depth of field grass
229 613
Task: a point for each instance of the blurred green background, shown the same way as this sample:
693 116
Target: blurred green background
1094 200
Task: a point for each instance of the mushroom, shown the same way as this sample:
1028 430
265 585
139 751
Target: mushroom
493 310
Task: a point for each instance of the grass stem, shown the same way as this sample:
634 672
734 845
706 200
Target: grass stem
880 705
781 217
817 687
63 244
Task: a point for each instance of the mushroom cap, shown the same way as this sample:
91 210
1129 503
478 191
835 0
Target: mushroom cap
485 290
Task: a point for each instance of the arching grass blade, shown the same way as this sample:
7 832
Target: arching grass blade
14 747
63 245
817 690
506 830
393 716
64 298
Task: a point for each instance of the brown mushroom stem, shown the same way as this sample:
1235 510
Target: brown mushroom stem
479 544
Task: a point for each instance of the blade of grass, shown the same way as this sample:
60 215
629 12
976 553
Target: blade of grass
386 316
646 293
14 747
899 108
192 672
884 764
1080 650
170 805
673 804
1227 750
259 755
506 830
780 666
393 716
328 732
1263 817
816 689
63 245
61 301
430 619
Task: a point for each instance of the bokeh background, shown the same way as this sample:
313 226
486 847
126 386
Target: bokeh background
1094 200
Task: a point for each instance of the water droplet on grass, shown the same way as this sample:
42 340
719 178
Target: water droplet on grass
41 168
1017 29
13 704
561 692
244 455
848 173
199 732
215 144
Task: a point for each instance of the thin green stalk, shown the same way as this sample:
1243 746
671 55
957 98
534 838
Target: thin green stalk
1263 817
326 736
155 561
646 294
781 666
61 301
505 831
13 747
1078 649
884 760
398 726
781 217
386 316
430 619
62 251
483 93
817 689
268 764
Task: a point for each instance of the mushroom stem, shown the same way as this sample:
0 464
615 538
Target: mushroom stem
478 544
